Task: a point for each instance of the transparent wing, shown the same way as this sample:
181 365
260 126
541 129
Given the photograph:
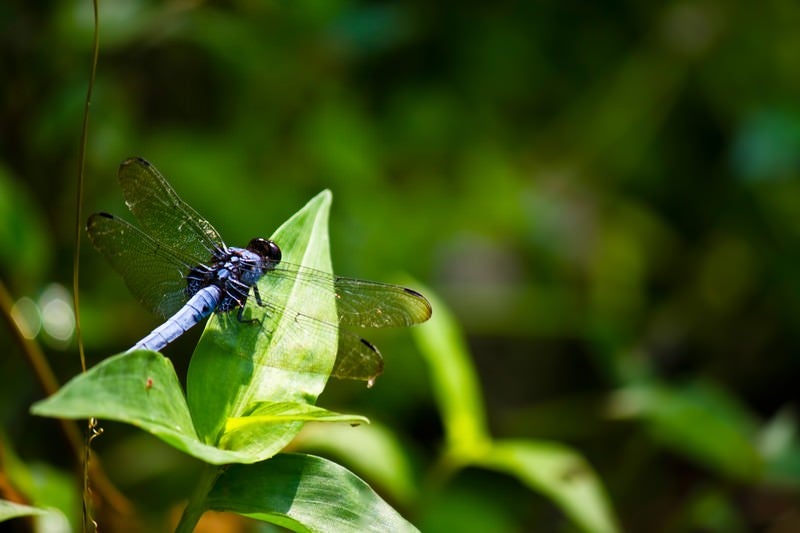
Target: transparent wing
153 272
369 304
361 303
357 359
172 222
163 215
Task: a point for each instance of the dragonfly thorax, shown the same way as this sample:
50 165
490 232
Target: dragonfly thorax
234 271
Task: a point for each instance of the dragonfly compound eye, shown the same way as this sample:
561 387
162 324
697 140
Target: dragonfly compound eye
266 249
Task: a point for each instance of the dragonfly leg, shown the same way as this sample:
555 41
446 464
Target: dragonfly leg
240 317
260 303
257 296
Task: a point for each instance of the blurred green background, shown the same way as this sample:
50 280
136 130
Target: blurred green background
605 194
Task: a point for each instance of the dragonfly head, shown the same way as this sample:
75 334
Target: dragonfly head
266 249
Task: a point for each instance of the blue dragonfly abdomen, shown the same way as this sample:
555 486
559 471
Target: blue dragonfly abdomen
198 308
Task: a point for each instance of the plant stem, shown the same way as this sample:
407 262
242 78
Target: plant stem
196 506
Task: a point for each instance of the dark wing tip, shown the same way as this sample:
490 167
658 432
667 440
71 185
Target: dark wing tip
378 369
369 345
94 216
135 161
428 310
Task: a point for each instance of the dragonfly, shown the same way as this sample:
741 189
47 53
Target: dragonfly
179 267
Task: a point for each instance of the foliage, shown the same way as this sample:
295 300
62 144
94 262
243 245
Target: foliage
550 468
12 510
249 391
605 194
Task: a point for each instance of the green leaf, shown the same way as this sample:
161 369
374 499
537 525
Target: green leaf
239 370
549 468
141 389
372 451
9 510
454 382
287 358
304 493
560 474
698 420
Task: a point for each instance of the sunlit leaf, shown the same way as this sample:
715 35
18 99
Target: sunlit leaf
9 510
238 367
323 497
372 451
454 381
141 389
560 474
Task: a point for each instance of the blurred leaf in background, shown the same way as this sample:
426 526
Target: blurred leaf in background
606 194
